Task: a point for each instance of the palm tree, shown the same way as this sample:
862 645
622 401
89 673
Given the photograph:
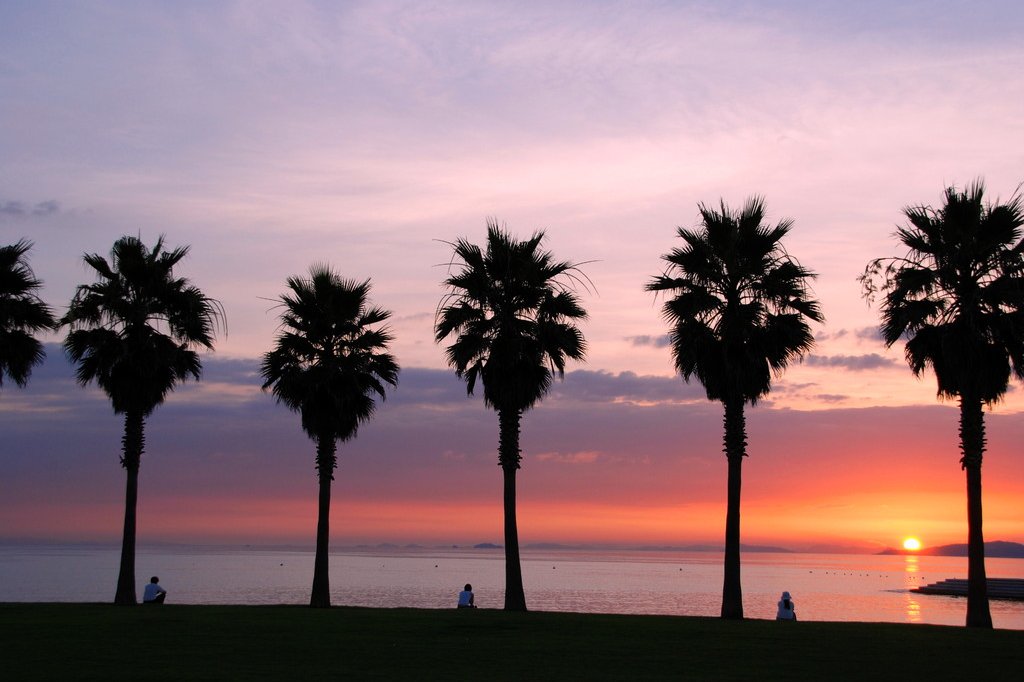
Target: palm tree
957 297
22 315
327 364
511 308
135 332
738 315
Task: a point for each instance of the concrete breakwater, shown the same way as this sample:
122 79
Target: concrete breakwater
998 588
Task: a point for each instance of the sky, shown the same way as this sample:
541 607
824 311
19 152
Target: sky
270 136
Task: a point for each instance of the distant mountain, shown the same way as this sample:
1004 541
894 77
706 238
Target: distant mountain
765 548
836 548
552 545
558 546
997 549
486 545
713 548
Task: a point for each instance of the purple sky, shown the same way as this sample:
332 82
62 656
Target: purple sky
270 136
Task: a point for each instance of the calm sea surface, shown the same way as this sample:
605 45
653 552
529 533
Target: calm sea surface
850 587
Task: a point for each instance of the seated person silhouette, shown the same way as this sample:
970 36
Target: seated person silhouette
154 594
787 610
466 598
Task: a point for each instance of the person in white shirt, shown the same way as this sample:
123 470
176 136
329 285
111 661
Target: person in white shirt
466 598
787 610
154 594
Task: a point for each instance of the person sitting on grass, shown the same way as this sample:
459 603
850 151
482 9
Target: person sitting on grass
154 594
466 598
787 610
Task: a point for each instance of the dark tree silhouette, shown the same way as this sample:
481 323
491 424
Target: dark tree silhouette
511 308
22 315
135 332
327 364
957 297
738 313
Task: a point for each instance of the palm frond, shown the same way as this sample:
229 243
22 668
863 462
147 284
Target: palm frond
511 308
957 295
22 314
135 329
330 358
740 304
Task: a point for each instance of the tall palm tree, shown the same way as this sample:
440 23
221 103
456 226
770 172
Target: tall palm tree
957 297
136 332
739 312
327 364
22 315
511 308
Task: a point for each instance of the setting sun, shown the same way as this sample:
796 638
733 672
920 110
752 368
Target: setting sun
911 544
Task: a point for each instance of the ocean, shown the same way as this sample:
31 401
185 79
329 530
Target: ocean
830 587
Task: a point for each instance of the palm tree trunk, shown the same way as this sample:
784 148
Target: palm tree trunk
735 441
972 444
325 463
132 444
508 458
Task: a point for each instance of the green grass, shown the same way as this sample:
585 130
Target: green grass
292 643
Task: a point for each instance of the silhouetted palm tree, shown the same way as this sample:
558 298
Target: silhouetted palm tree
511 308
22 315
135 332
327 364
957 296
739 313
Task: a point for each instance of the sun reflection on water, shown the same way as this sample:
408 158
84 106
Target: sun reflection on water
910 569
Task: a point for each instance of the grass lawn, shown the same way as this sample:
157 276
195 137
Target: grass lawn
293 643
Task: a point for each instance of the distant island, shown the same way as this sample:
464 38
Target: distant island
714 548
997 549
650 548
